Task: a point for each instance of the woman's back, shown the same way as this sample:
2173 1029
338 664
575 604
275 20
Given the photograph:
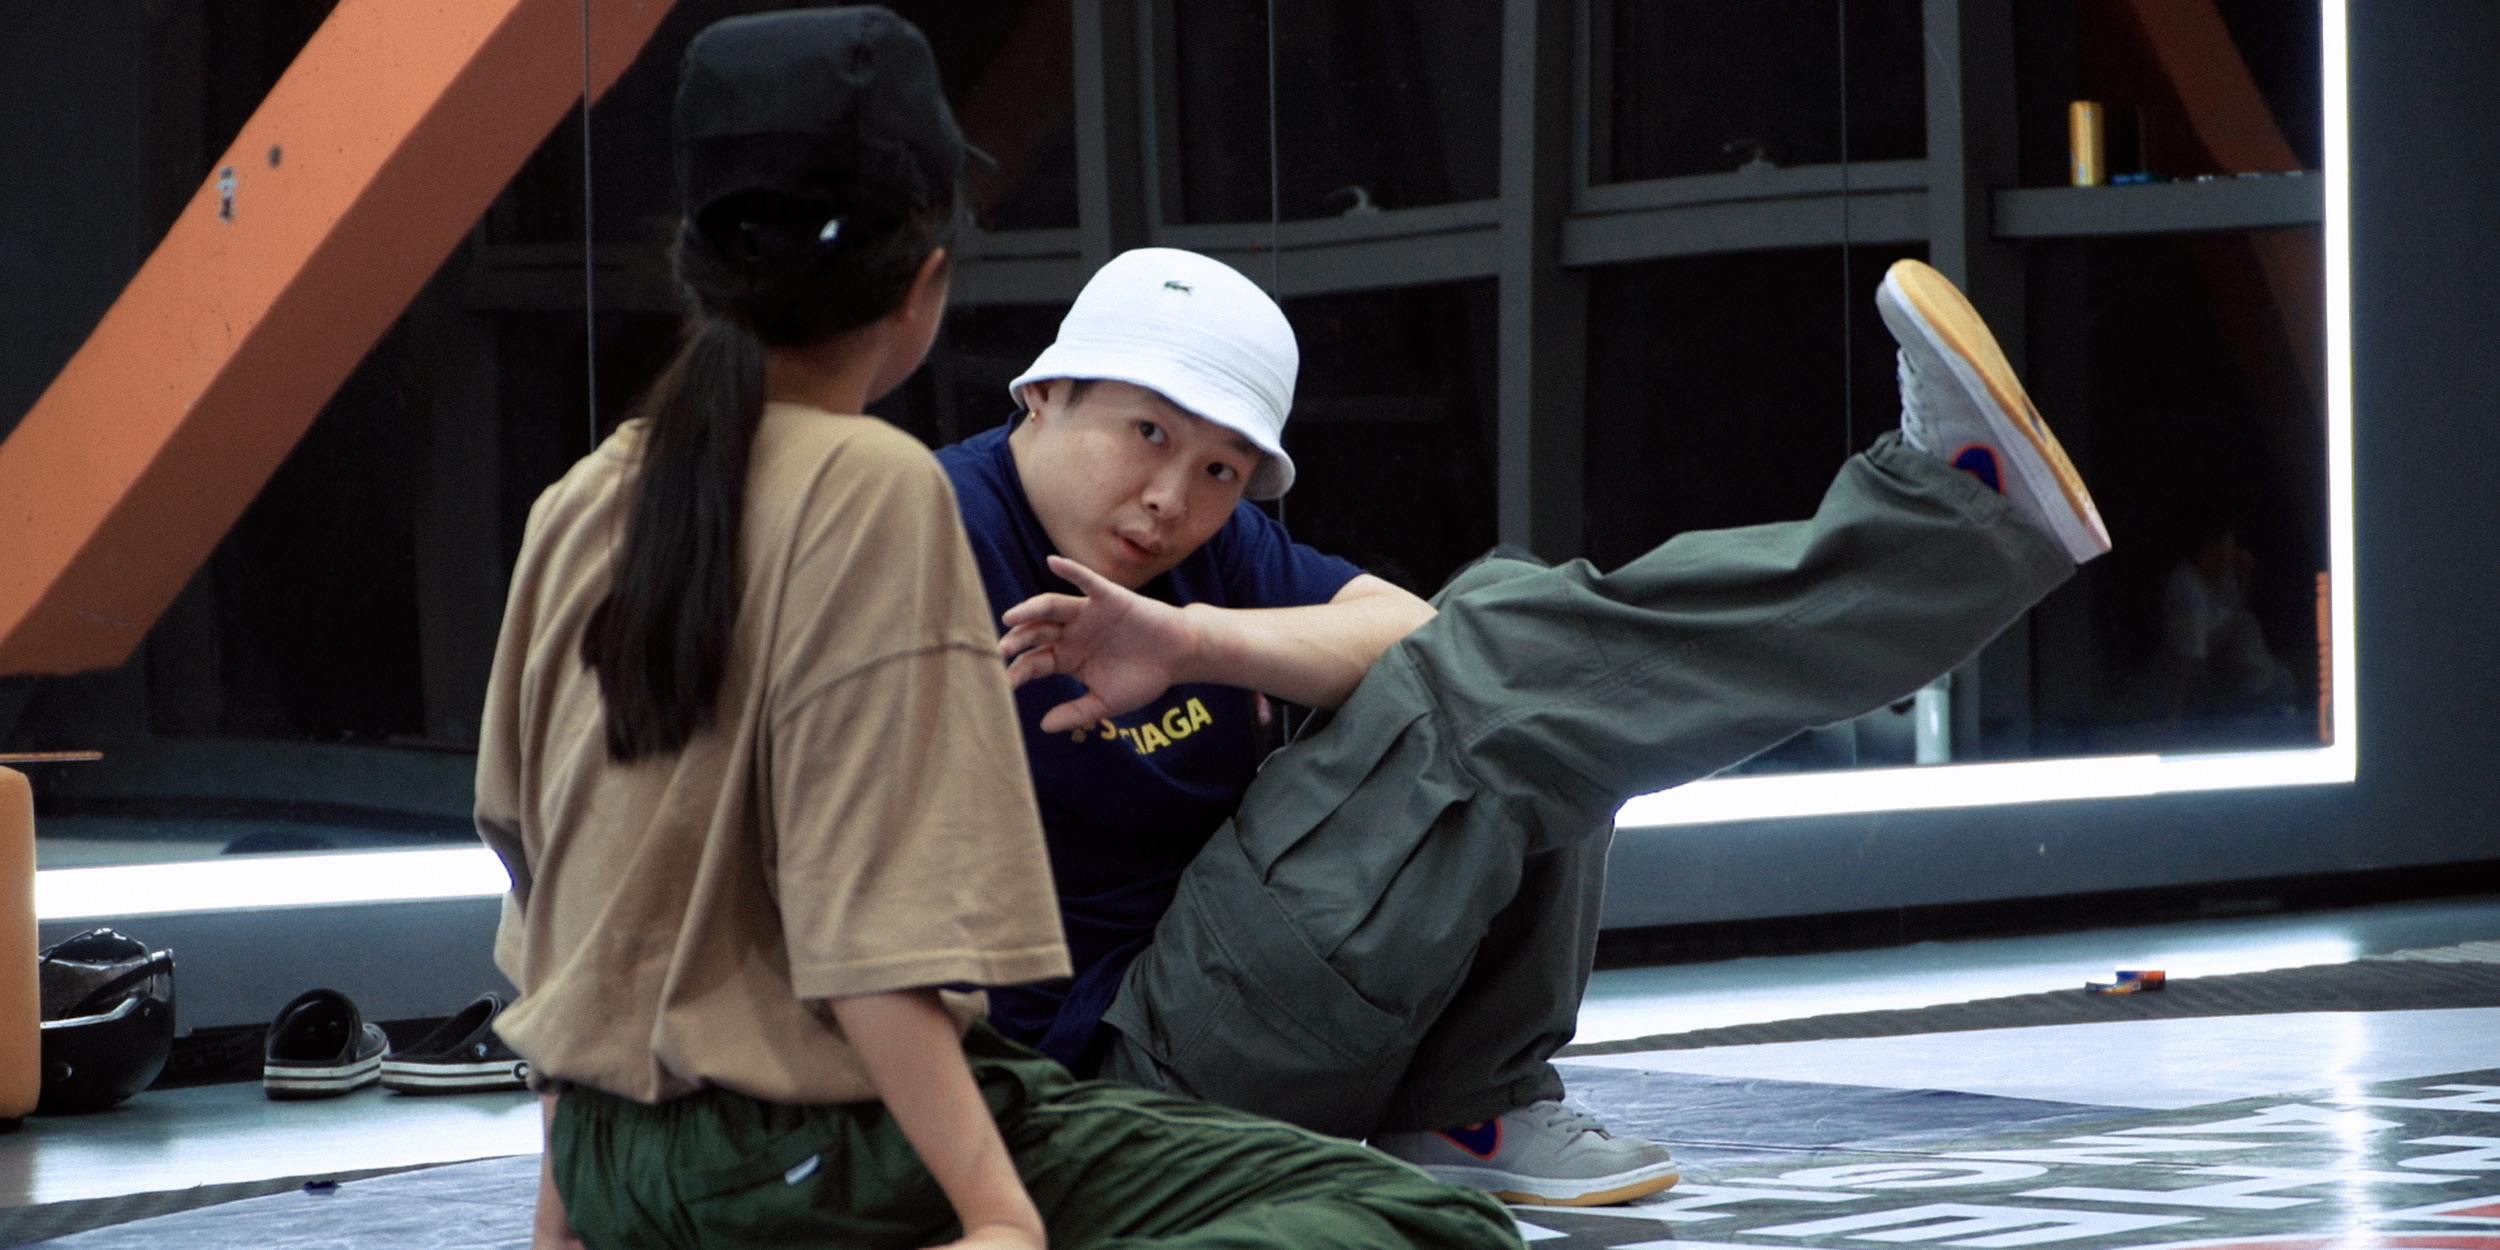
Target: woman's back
843 827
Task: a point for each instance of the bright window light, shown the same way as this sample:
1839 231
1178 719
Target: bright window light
1789 796
247 882
1865 791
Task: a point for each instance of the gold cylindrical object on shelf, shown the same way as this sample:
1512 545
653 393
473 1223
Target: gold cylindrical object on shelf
2087 143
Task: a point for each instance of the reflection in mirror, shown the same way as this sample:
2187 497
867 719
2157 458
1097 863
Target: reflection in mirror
283 702
2207 453
1694 87
2173 335
2191 367
2217 87
1379 104
1392 429
962 390
1378 107
318 683
317 687
1717 393
1725 390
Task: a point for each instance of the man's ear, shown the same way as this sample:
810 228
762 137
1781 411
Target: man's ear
1033 395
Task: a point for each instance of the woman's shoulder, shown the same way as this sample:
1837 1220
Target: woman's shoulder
835 469
810 443
813 432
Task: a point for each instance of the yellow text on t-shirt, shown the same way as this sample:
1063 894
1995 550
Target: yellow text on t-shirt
1176 723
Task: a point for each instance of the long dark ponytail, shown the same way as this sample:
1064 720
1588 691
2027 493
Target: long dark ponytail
758 270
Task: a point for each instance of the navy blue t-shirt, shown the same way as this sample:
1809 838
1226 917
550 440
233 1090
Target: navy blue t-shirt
1127 802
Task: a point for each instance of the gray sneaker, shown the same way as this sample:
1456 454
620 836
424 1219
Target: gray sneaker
1543 1154
1962 404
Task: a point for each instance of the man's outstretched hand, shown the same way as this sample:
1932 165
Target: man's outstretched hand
1124 647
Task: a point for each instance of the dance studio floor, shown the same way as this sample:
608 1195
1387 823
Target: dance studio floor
2290 1129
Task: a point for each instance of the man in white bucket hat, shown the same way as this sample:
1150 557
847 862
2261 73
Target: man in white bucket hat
1384 929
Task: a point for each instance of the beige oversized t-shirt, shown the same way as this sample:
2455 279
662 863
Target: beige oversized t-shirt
858 820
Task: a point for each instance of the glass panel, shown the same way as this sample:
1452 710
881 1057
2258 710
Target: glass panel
2158 126
1392 430
1010 71
2183 367
2183 372
302 692
1695 87
1735 409
319 683
962 390
1382 104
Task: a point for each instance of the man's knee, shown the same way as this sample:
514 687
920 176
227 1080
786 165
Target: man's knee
1495 566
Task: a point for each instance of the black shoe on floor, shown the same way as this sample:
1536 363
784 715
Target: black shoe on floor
321 1047
464 1056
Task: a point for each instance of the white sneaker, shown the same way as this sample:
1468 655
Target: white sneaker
1543 1154
1962 404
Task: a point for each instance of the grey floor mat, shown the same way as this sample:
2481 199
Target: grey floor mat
2409 981
483 1205
21 1225
1713 1122
1708 1121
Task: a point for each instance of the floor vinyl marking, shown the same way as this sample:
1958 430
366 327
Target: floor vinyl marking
2152 1064
1724 1121
2411 1163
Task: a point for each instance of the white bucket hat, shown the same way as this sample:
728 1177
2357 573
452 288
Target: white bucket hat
1194 330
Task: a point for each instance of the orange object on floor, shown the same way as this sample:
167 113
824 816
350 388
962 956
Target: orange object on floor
380 146
21 1006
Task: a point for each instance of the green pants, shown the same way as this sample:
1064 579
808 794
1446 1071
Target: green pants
1110 1166
1394 930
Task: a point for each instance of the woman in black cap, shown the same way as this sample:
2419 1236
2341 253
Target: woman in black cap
750 759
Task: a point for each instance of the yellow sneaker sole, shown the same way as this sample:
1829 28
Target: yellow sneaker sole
1602 1198
1943 306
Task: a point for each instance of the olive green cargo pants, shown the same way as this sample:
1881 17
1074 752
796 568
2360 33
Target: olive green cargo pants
1111 1167
1394 930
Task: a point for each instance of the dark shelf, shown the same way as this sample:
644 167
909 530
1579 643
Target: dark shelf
2161 207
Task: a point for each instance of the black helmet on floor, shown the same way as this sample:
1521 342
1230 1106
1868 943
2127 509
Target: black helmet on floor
108 1019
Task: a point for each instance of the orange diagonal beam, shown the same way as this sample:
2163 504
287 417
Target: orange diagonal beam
2193 45
387 137
2236 127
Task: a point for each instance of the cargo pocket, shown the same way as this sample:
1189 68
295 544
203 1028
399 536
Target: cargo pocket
844 1177
1251 1017
1300 785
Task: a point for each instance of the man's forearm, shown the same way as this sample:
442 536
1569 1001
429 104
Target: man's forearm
1314 656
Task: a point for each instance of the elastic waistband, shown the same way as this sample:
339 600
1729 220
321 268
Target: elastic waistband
1007 1071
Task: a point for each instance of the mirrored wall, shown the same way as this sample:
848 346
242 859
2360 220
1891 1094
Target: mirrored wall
1576 275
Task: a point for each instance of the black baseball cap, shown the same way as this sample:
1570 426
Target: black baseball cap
809 103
